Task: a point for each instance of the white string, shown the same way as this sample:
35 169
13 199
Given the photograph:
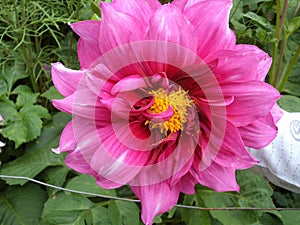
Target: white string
135 200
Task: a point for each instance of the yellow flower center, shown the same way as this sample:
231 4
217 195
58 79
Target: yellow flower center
179 101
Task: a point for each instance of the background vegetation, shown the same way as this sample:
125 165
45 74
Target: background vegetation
33 34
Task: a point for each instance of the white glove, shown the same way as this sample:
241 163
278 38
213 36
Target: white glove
280 160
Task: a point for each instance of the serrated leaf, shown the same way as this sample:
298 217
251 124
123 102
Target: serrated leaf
26 124
8 109
51 94
254 192
13 73
32 115
123 213
73 209
88 183
21 205
39 154
25 96
16 131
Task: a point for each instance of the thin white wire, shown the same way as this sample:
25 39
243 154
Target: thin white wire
135 200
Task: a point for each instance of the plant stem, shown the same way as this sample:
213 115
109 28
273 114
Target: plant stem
289 69
282 49
280 16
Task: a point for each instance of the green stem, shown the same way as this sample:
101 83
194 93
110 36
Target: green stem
289 69
282 49
280 16
236 8
26 52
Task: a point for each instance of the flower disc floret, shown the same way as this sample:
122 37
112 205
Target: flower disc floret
179 101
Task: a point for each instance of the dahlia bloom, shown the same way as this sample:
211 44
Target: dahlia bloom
164 100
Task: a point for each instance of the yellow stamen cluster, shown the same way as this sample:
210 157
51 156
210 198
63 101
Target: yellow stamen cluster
179 101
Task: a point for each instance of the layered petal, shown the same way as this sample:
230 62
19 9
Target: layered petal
259 133
219 178
241 63
156 199
88 47
141 10
248 104
118 29
64 79
211 21
170 25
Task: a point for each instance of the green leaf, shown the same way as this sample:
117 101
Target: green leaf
290 103
8 109
193 216
123 213
39 154
258 20
52 93
26 124
88 183
254 192
56 176
290 217
21 205
292 25
13 73
100 216
25 96
72 209
3 87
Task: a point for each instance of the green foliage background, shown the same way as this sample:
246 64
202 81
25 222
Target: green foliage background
35 33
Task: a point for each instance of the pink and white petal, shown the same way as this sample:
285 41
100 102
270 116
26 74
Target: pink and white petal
77 162
277 113
88 46
113 159
226 148
141 10
187 184
241 63
219 178
156 199
185 4
170 25
211 21
118 29
67 140
64 79
248 104
259 133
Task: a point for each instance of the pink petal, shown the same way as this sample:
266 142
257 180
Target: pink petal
77 162
248 104
64 79
225 147
118 29
88 46
67 140
185 4
187 184
277 113
217 177
211 21
170 25
241 63
259 133
156 199
141 10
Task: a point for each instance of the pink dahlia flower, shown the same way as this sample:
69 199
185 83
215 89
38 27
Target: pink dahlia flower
164 99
